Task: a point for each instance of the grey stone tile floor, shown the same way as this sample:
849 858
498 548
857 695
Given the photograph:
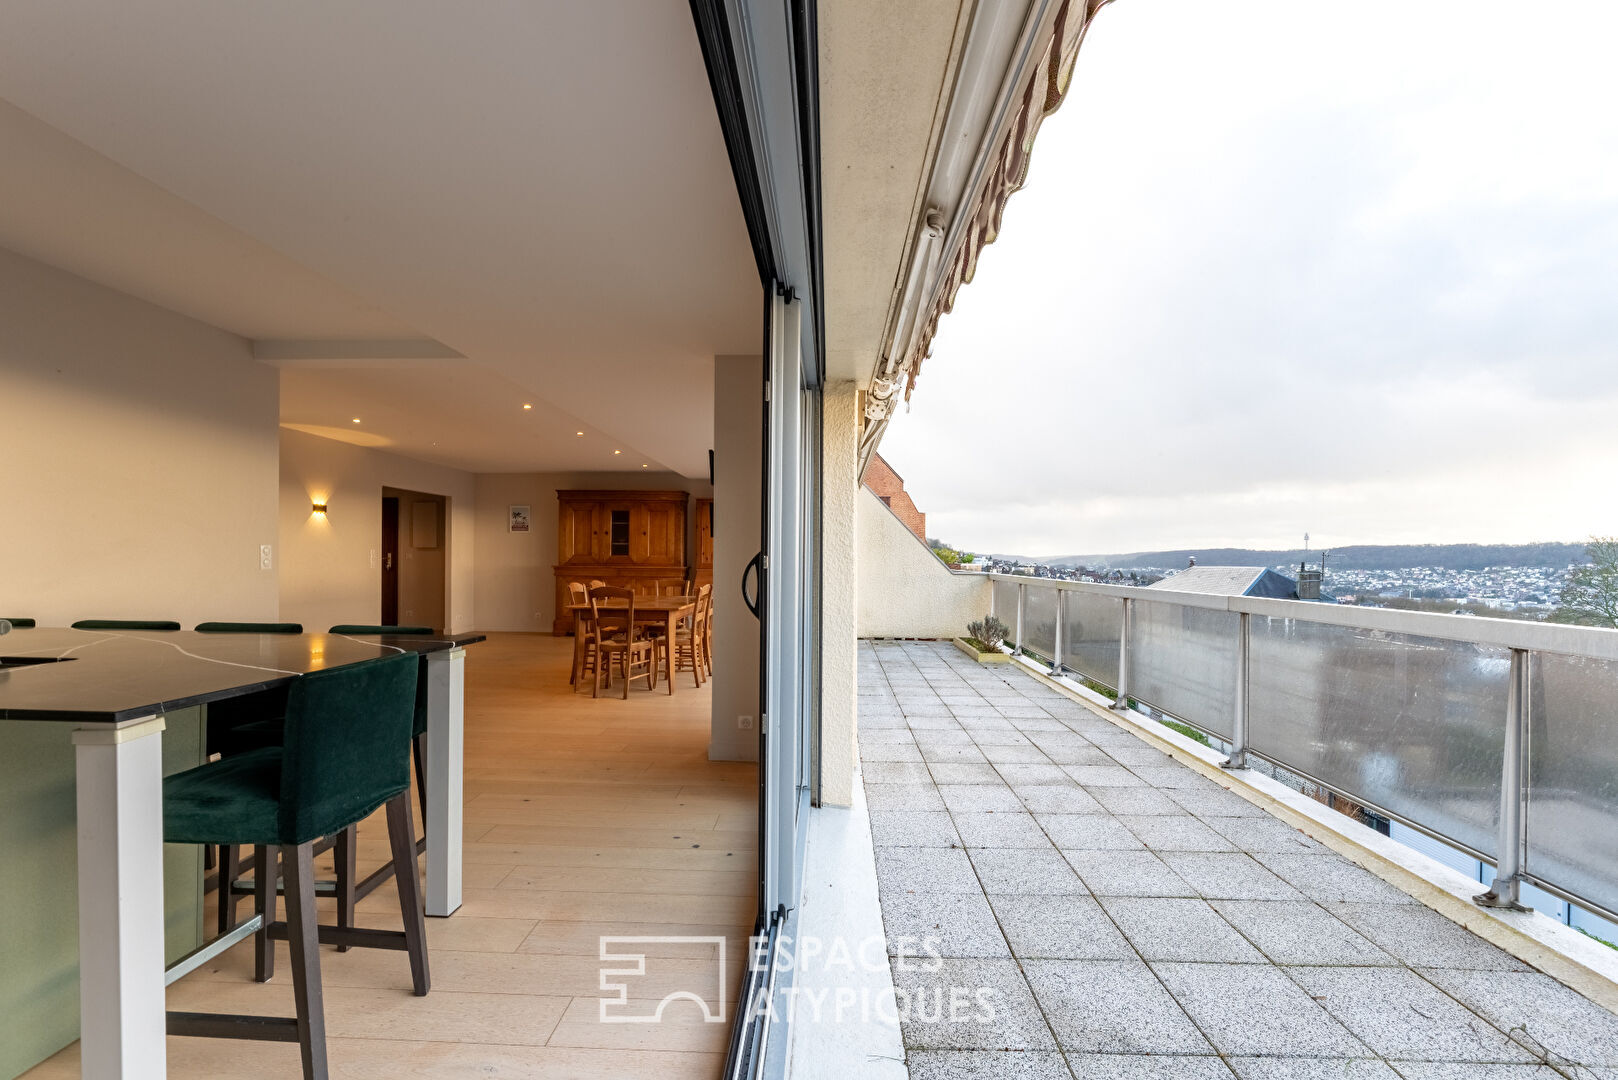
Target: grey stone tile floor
1065 902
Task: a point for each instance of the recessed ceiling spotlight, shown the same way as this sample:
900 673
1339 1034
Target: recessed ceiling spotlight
356 419
643 464
578 433
527 406
617 451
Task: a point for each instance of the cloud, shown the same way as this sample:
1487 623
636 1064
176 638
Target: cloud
1285 266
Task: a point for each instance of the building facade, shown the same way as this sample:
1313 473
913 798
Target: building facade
889 486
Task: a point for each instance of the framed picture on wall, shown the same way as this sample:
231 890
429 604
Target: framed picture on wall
518 521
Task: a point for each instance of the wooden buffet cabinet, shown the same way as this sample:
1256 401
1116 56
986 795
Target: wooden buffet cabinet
702 568
632 539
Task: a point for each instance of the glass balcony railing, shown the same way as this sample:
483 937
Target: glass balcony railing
1497 737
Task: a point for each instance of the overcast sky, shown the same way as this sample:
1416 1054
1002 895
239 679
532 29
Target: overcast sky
1286 266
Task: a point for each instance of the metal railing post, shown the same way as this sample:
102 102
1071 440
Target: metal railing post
1122 704
1238 727
1503 893
1022 600
1056 643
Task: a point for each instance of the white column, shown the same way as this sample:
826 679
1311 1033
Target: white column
738 440
446 678
120 826
839 597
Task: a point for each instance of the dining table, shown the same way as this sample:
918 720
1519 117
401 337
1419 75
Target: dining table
650 611
110 690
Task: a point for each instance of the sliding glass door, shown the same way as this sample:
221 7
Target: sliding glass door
789 591
789 680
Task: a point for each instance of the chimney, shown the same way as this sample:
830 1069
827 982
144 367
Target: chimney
1308 582
1192 563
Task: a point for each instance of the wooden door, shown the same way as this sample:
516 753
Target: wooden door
664 534
576 537
390 561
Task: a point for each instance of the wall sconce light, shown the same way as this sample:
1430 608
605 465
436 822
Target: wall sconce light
319 509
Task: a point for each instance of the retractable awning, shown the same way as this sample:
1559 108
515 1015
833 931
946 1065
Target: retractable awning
977 224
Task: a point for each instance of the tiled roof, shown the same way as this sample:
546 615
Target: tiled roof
1214 580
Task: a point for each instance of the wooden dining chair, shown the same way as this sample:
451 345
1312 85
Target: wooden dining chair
706 591
690 646
586 655
618 638
583 648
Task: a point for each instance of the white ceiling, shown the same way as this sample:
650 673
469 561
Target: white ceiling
542 188
481 427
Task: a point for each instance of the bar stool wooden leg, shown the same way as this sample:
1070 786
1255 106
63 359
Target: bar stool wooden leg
264 875
345 856
227 887
401 835
303 930
418 747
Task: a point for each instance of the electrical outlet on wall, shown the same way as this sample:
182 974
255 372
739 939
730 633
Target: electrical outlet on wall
745 723
264 560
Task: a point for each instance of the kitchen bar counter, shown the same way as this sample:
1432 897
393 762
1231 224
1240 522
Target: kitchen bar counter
111 676
111 691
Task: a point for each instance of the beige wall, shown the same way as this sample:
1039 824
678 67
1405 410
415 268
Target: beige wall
329 570
738 463
139 458
516 576
840 431
904 591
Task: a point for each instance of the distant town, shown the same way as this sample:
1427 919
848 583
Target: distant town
1569 582
1457 580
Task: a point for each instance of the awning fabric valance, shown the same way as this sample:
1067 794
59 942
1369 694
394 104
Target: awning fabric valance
1042 96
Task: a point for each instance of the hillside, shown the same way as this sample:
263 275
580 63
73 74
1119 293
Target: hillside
1358 557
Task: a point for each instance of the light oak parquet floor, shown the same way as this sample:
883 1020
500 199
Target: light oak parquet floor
583 818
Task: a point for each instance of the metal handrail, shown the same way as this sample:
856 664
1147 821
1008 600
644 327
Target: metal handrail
1561 638
1522 639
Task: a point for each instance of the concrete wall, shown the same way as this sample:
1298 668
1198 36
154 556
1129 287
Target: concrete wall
330 572
516 579
904 591
840 484
738 506
139 452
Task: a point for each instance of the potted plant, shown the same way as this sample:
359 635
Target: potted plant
982 640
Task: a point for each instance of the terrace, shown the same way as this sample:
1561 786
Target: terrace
1141 911
1138 918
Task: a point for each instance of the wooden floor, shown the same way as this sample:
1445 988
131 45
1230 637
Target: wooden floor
583 818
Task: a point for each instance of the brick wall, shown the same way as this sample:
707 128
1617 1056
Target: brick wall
889 486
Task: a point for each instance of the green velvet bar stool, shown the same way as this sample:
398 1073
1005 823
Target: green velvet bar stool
126 624
363 628
249 628
235 726
344 756
351 888
19 624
